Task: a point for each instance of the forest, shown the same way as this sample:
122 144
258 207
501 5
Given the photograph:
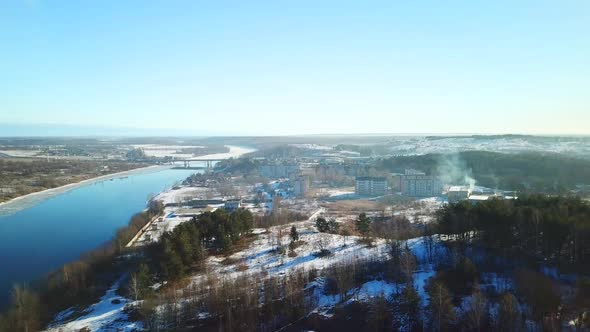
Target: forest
551 229
524 172
496 266
443 277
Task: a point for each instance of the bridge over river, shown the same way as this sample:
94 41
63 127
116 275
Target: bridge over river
186 163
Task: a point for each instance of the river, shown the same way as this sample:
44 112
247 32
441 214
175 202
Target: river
40 234
57 230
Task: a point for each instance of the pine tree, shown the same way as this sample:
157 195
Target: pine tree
294 234
408 308
184 246
333 226
171 263
322 225
363 224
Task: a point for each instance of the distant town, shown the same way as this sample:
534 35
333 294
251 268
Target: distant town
311 233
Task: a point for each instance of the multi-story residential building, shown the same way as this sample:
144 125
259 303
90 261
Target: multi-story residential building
421 185
411 171
279 170
370 186
300 186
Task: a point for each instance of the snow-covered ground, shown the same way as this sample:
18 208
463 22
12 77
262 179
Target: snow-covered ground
234 152
156 150
158 228
422 145
106 315
422 210
182 194
313 146
377 287
262 258
21 153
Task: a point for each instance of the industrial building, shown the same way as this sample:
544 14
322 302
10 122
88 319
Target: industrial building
370 186
458 193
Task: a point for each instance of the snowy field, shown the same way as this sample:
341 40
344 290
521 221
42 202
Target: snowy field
21 153
154 150
160 151
234 152
182 194
423 145
262 256
422 210
106 315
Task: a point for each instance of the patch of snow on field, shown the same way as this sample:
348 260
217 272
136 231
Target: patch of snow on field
312 146
181 194
420 281
155 150
422 210
21 153
234 152
102 316
374 288
262 254
258 231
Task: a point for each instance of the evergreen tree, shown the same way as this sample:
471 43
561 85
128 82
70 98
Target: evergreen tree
171 263
223 239
333 226
183 246
408 309
363 224
294 234
322 225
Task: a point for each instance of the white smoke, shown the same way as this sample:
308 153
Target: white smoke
453 170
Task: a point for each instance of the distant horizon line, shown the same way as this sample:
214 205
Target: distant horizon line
297 135
98 131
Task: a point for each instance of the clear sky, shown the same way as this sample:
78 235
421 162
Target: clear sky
298 67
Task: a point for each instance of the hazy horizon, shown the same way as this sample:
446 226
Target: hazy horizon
268 69
54 130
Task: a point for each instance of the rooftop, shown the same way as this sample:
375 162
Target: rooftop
459 188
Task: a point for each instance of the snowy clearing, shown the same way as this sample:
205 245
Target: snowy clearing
106 315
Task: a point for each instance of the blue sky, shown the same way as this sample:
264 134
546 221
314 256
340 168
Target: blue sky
297 67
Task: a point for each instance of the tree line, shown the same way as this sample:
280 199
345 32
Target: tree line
549 228
524 172
76 283
185 248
